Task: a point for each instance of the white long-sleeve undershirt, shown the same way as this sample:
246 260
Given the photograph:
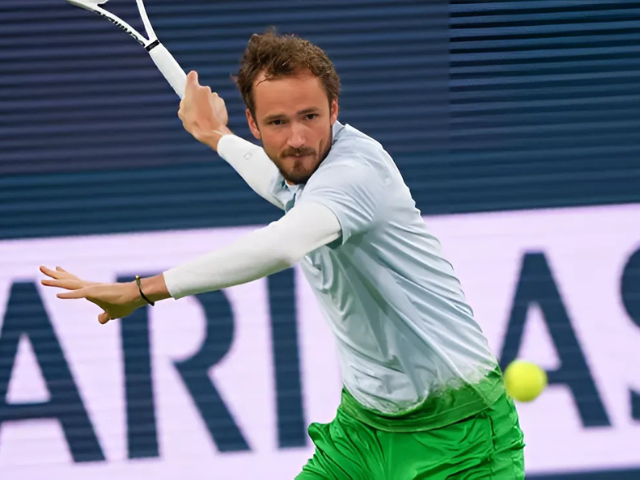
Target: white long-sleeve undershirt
263 252
252 164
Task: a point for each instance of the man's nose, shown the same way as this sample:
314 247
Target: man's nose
297 137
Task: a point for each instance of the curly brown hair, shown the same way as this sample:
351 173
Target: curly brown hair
280 56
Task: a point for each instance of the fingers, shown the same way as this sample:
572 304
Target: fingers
48 272
193 87
68 284
59 272
192 78
103 318
190 88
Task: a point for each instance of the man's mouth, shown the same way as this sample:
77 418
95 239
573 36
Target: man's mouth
300 156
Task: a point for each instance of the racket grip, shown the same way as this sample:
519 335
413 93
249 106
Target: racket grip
170 68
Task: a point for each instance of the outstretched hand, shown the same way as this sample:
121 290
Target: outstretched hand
117 300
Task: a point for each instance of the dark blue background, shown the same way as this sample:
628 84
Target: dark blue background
484 105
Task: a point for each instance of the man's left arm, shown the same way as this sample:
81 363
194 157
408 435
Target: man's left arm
261 253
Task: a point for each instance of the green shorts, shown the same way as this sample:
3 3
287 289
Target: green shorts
486 445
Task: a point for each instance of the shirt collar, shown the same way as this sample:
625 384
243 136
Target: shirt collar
336 129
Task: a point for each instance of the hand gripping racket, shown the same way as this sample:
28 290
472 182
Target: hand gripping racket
159 54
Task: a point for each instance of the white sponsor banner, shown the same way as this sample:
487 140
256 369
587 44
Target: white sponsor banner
585 250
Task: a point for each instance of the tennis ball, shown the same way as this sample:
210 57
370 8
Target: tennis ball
524 380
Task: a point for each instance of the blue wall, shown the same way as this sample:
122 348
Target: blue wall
484 105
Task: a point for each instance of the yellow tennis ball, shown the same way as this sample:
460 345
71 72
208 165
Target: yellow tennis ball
524 380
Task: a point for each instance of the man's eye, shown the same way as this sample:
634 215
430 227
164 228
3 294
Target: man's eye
311 116
276 122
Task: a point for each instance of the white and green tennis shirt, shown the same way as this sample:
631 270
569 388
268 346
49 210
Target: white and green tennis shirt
403 328
407 339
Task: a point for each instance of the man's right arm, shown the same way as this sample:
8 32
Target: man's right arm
204 115
252 164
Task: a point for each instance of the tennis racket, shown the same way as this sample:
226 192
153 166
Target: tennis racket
159 54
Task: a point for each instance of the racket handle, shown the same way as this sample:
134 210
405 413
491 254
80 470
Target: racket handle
168 66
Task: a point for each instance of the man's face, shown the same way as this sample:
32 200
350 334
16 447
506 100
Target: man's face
293 119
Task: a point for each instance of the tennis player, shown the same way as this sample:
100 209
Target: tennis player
423 394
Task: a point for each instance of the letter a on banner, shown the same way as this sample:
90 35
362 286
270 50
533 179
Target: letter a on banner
537 285
27 316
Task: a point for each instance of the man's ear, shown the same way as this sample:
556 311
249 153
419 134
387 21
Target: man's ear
253 126
334 110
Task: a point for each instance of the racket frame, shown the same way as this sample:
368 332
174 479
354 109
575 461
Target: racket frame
165 62
116 20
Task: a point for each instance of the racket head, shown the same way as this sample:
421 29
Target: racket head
94 6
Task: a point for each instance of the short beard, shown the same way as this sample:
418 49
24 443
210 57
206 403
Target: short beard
296 179
302 178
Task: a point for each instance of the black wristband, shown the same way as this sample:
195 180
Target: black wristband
142 294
